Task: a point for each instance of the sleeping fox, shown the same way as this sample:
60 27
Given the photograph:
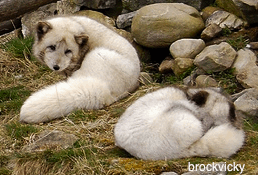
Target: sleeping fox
176 123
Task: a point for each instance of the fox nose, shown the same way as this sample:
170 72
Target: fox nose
56 67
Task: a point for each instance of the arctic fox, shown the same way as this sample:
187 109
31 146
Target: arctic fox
104 67
173 123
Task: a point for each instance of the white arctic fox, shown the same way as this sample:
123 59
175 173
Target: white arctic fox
103 66
173 123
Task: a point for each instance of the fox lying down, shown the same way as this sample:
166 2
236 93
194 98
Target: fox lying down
173 123
102 67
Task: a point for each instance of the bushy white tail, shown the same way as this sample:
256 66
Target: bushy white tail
60 99
221 141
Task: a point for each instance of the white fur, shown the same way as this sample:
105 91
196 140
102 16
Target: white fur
108 72
164 125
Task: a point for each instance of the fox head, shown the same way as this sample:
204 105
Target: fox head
59 48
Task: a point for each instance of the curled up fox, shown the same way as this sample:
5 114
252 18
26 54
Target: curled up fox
102 67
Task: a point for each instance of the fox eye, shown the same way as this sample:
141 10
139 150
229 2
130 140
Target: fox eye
68 51
52 47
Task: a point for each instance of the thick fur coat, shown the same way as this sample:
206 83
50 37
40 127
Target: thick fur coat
103 67
172 123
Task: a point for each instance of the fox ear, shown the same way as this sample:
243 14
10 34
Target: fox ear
200 98
42 29
81 39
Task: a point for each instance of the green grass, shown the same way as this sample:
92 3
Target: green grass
19 47
238 43
18 131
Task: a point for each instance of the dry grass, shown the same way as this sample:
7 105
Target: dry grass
95 152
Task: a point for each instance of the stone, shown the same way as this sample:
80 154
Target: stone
100 17
252 45
125 20
246 68
132 5
244 60
159 25
216 58
247 102
29 20
65 7
166 66
208 11
246 9
181 65
98 4
186 48
51 140
210 32
205 81
225 20
168 173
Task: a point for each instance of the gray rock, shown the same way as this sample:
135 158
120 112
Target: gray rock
181 65
247 102
133 5
68 7
51 139
30 20
186 48
205 81
159 25
246 9
98 4
166 66
225 20
252 45
211 32
246 68
244 60
216 58
125 20
168 173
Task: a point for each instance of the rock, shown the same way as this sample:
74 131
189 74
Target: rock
133 5
216 58
168 173
145 78
159 25
99 4
208 11
244 60
51 140
100 17
246 9
68 6
166 66
252 45
125 20
225 20
210 32
181 65
186 48
247 102
30 20
246 68
205 81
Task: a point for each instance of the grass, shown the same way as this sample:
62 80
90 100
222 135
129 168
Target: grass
95 151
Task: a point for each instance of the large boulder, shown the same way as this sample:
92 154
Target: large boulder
246 9
133 5
159 25
216 58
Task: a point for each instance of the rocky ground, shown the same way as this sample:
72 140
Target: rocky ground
212 48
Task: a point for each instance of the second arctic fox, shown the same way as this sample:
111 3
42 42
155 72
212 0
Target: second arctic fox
103 67
172 123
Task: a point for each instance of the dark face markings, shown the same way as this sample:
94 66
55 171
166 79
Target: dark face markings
200 98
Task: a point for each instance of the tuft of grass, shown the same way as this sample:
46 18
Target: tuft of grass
238 43
18 131
19 47
11 99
